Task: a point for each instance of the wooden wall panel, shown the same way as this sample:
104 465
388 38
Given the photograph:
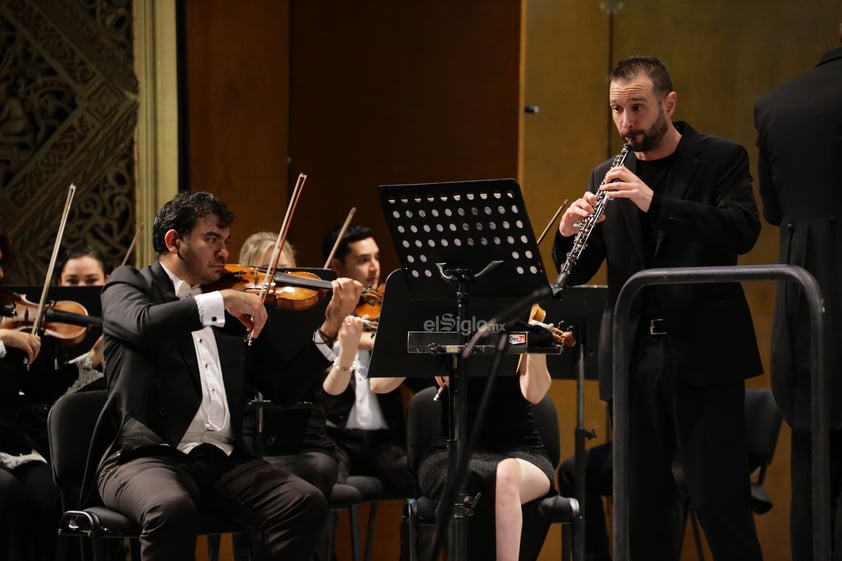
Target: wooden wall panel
237 58
397 92
565 73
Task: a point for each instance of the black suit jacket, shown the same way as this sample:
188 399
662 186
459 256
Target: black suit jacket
706 217
799 136
152 370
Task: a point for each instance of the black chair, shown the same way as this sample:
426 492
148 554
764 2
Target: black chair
423 419
70 425
373 492
763 426
343 496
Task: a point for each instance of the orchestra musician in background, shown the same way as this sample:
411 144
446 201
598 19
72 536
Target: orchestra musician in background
295 438
30 505
799 143
85 266
369 429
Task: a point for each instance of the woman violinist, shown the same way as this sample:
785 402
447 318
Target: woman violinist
29 500
294 438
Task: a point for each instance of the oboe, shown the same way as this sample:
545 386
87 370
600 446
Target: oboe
586 227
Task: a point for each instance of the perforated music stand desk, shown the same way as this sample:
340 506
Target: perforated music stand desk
469 243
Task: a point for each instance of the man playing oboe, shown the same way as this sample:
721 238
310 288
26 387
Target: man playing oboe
681 199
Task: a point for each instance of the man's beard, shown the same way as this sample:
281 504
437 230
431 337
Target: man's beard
653 136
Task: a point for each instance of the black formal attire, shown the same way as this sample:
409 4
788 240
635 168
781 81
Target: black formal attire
154 394
800 144
295 438
508 431
30 503
694 344
378 452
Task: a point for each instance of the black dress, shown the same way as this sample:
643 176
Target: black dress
508 431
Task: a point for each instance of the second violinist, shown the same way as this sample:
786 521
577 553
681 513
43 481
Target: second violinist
368 428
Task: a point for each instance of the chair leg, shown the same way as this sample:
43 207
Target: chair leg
409 536
694 521
354 517
213 547
369 534
566 540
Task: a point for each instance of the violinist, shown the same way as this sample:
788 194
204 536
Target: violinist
295 438
58 370
509 467
85 266
182 358
369 429
30 505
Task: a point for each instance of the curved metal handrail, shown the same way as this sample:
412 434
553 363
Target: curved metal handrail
818 384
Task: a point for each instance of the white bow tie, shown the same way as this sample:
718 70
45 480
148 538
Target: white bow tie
183 290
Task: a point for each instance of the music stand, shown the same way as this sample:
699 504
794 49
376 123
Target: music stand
455 240
582 307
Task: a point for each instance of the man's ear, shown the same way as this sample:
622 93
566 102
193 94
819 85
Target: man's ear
336 265
172 240
670 101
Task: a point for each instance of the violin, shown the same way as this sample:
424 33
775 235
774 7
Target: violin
369 307
537 315
66 321
296 290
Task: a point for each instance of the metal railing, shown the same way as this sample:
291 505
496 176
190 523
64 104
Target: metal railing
622 335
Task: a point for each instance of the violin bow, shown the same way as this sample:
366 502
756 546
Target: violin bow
131 245
36 324
279 242
339 237
552 221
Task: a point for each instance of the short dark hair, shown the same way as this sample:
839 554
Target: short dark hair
183 212
353 234
79 252
629 68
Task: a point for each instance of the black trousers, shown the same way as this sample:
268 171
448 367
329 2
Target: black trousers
30 508
801 505
704 428
163 493
372 452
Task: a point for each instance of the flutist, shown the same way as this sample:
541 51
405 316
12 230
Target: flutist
680 199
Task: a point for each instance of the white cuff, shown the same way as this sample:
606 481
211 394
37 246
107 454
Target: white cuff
211 309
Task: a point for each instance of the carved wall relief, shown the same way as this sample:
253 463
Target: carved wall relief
68 111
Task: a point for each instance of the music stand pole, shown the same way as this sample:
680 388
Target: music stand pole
580 458
462 507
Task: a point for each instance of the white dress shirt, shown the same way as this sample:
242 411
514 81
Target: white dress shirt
212 422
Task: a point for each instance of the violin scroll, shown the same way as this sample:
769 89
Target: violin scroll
537 316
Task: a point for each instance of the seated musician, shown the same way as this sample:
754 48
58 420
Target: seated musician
294 437
182 355
509 467
369 429
29 500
